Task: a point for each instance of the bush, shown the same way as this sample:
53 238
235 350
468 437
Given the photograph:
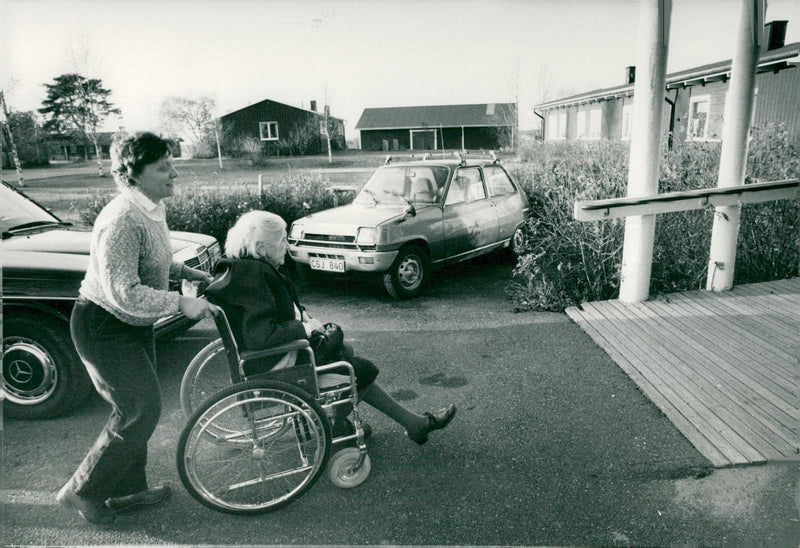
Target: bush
213 209
568 262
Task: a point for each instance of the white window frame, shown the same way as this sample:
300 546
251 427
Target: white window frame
580 131
690 119
557 126
270 135
595 124
589 125
627 122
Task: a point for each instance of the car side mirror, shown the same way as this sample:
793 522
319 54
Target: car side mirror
410 211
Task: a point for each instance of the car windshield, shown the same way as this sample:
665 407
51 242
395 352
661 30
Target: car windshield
404 184
17 210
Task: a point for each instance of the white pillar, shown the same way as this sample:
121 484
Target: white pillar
735 132
648 105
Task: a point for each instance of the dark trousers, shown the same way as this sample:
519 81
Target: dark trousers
121 361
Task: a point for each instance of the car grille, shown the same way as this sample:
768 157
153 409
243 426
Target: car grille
202 261
326 256
205 260
328 240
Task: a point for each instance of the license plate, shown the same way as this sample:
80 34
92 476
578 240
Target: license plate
331 265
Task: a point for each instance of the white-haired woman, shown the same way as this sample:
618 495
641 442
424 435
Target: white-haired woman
263 309
124 293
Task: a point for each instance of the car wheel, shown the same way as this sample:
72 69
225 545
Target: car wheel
518 240
408 273
43 376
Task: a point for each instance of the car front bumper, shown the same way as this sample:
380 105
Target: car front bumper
354 259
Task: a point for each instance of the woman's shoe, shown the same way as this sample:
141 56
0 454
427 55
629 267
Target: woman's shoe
436 421
148 497
91 511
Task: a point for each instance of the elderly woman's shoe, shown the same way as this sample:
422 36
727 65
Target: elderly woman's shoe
148 497
91 511
436 421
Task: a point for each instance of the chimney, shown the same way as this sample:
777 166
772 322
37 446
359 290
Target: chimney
630 75
314 106
774 35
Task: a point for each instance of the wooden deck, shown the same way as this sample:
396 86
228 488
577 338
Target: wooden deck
723 367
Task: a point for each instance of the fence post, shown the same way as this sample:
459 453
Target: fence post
648 104
733 158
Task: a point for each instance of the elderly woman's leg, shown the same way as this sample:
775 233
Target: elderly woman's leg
417 426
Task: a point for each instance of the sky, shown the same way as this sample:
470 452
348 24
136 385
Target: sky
350 54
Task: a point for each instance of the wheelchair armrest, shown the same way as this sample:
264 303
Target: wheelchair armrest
299 344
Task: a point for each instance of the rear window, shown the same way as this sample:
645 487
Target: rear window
498 182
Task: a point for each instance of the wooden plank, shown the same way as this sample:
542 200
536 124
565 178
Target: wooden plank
785 301
695 437
786 292
713 384
767 324
729 334
766 385
731 354
659 362
711 431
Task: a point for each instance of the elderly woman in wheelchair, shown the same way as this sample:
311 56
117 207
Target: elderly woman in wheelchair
262 441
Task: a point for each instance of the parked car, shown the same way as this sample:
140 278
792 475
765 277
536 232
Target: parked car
412 215
44 261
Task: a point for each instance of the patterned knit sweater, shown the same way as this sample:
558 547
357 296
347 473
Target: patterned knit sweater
131 261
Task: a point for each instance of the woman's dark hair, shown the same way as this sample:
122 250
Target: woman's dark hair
131 152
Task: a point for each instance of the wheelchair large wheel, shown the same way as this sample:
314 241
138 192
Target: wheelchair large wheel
276 444
207 374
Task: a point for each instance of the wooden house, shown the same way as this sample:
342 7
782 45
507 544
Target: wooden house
478 126
282 128
694 100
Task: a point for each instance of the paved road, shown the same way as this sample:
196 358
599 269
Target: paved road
552 445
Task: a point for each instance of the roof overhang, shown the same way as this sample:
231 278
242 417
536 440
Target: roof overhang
430 127
772 61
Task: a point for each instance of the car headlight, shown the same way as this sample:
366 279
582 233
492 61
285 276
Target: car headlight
297 231
367 236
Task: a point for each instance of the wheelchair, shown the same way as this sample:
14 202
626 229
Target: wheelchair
256 437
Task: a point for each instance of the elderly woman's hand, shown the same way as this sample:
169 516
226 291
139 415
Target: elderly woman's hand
195 309
195 275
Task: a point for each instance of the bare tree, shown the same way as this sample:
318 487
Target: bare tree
190 116
6 127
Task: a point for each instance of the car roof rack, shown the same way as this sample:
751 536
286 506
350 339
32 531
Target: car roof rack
461 155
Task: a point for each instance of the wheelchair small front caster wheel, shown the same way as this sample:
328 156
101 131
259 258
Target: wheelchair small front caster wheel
342 468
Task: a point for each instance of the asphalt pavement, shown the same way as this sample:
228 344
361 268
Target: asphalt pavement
552 445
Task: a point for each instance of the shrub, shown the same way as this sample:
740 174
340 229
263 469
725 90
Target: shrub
213 209
568 262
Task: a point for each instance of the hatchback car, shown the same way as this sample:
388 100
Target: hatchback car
44 261
412 215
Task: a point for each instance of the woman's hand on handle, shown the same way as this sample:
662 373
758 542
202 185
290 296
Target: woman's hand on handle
195 309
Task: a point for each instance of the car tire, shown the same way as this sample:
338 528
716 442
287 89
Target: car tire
518 241
407 275
43 377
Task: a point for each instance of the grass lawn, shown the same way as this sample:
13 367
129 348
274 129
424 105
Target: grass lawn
63 187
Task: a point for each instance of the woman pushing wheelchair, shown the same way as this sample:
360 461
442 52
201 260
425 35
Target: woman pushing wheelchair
264 311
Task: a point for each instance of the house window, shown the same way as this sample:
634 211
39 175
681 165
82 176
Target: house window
627 122
589 124
557 126
698 118
269 131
